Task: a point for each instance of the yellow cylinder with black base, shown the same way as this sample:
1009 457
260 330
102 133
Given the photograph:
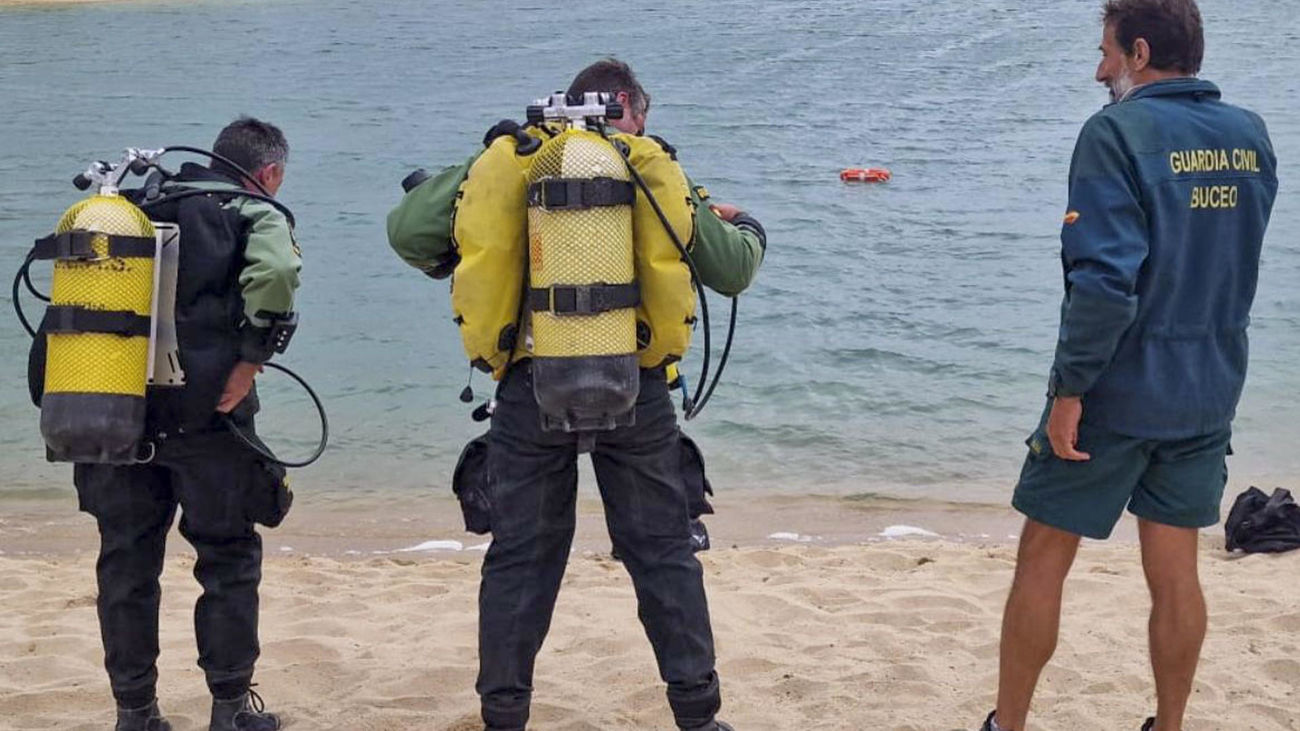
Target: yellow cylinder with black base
582 277
97 331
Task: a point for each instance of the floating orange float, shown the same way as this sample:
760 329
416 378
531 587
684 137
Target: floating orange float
865 175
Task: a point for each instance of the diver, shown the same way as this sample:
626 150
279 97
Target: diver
569 239
236 272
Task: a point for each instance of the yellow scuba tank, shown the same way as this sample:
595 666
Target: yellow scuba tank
98 331
583 292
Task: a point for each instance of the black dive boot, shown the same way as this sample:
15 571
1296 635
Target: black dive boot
145 718
1150 724
712 726
242 713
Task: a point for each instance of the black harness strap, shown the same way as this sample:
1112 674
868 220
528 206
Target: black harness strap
76 244
572 194
588 299
65 319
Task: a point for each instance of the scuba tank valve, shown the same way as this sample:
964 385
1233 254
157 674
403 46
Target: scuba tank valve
580 112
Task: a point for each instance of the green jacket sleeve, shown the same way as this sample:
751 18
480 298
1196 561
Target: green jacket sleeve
419 228
726 255
271 262
1103 251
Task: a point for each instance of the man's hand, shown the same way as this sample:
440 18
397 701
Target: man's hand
1063 428
725 211
238 385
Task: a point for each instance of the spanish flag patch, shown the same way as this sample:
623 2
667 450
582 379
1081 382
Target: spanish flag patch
1071 217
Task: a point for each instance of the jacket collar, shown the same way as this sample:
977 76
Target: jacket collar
192 172
1183 86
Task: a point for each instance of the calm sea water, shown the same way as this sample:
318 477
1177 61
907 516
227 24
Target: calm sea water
898 337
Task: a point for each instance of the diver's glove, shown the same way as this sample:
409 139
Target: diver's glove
259 344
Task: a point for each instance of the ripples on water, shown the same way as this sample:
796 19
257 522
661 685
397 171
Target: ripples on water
898 337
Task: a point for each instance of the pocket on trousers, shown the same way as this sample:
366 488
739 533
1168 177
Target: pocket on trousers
697 490
267 494
470 483
697 483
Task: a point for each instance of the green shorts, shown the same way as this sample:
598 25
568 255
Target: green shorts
1174 482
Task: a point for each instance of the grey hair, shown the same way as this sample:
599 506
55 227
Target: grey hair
252 144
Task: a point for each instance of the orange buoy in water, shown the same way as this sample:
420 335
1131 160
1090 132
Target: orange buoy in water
865 175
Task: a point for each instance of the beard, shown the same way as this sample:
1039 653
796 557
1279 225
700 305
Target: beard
1121 85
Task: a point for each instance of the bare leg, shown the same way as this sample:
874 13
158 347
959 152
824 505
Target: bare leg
1177 625
1032 618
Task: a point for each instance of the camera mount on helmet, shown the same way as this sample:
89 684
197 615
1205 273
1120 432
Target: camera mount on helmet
589 109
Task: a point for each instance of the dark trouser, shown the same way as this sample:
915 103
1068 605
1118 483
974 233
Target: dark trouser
534 480
207 476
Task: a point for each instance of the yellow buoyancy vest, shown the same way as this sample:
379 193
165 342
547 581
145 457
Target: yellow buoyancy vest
490 231
667 297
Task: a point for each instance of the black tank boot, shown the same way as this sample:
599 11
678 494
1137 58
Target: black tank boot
712 726
145 718
242 713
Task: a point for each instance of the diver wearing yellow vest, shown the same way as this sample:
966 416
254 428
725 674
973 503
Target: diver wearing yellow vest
563 263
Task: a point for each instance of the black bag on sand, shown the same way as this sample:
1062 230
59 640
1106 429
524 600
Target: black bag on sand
1259 523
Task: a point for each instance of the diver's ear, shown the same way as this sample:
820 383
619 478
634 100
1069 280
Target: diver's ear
1141 54
270 176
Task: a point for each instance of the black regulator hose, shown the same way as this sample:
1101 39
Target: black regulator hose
27 279
263 194
722 363
691 410
261 450
19 277
192 192
221 159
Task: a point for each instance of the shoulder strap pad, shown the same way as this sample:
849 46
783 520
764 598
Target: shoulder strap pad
506 127
672 151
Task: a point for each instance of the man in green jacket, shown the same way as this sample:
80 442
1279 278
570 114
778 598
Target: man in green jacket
237 273
533 472
1170 193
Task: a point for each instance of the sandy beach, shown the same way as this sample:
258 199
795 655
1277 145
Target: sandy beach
366 627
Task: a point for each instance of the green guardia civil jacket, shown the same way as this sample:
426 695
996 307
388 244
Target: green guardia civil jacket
272 259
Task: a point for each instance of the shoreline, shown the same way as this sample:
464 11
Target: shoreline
356 527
